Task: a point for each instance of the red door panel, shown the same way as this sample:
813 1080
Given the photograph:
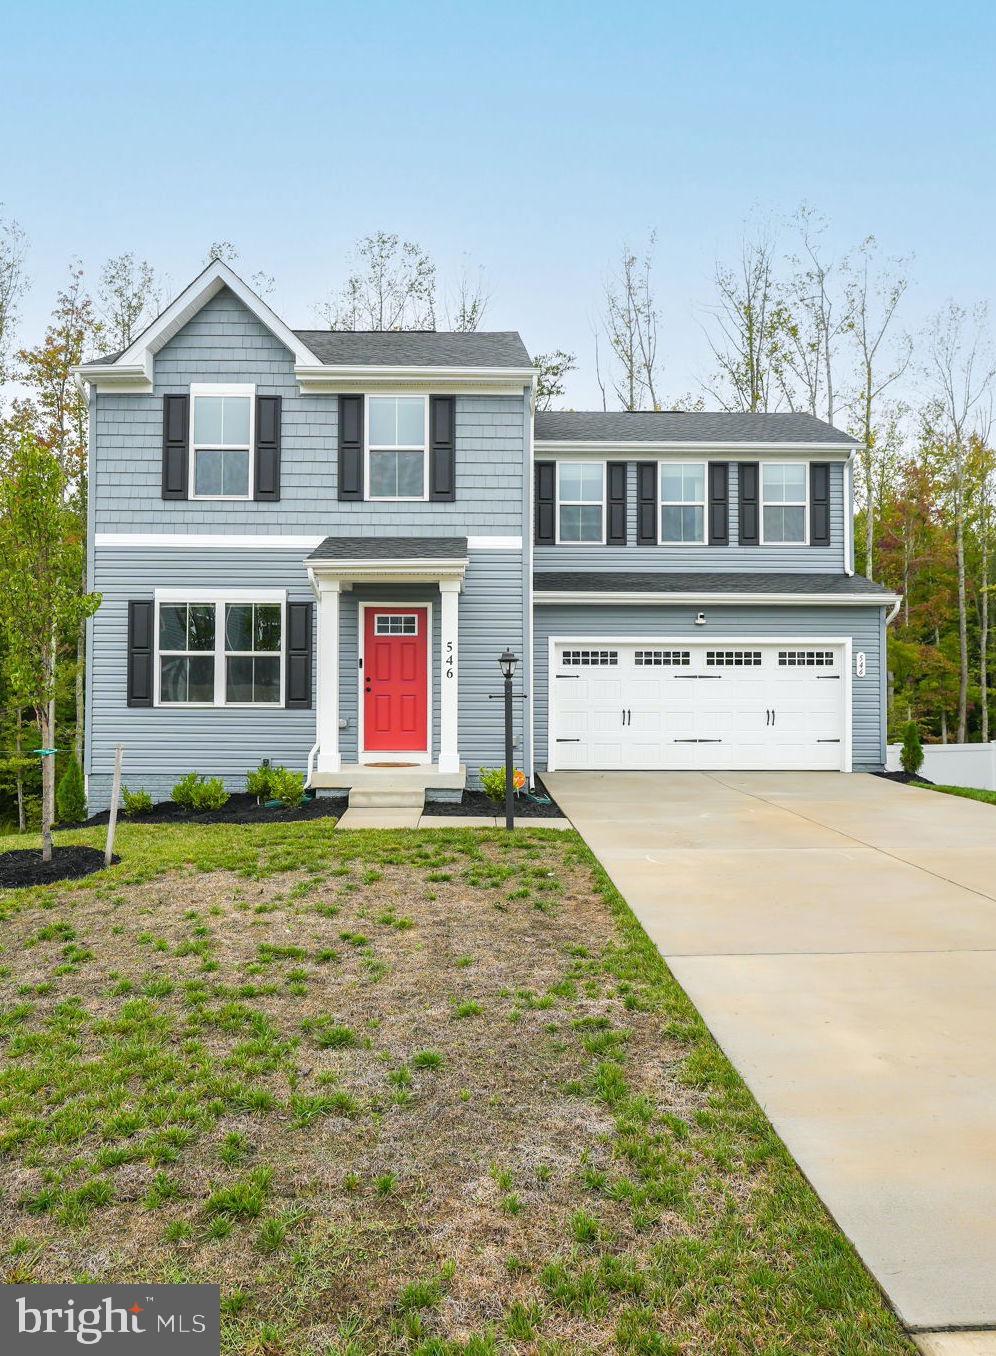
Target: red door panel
395 649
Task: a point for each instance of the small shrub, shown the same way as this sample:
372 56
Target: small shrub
135 802
183 792
288 786
493 782
260 782
209 794
70 797
911 754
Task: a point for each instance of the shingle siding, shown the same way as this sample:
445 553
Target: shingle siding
864 625
801 559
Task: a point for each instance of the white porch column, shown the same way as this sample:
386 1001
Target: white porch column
449 677
327 697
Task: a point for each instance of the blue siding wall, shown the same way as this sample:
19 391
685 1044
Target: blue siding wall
864 624
784 559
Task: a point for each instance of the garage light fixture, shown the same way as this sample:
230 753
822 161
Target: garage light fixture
700 619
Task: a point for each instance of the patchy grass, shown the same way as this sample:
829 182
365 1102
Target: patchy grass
969 792
397 1092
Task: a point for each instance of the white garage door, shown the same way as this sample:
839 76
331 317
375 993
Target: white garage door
668 704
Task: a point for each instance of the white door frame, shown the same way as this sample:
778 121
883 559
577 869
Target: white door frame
420 756
844 643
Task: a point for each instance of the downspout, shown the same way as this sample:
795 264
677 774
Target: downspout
849 513
529 402
313 752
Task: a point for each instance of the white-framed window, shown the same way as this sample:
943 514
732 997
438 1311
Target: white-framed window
396 446
222 420
784 503
396 624
583 658
220 649
682 503
581 503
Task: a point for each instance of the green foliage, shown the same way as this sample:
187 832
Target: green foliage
493 783
260 782
197 792
288 786
135 802
911 754
70 797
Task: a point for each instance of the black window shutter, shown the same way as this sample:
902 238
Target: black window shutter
267 448
300 625
819 503
719 503
350 447
617 481
749 477
176 424
646 503
546 503
442 449
141 618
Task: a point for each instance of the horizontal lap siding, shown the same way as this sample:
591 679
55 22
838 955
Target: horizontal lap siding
864 625
781 559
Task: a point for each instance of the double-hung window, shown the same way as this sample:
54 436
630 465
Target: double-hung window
220 651
581 502
683 503
221 434
784 503
396 427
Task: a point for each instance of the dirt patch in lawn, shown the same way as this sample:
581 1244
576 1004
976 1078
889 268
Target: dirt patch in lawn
434 1094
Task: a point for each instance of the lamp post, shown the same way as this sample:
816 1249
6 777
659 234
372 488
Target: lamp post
507 663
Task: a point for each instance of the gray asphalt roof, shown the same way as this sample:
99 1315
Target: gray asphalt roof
701 581
417 348
693 426
391 548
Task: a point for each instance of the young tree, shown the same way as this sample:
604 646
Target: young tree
748 336
128 294
553 369
391 287
13 283
41 554
630 323
815 314
468 301
962 370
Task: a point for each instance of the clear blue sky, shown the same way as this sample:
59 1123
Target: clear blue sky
533 138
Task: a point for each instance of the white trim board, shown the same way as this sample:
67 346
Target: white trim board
704 599
246 541
622 448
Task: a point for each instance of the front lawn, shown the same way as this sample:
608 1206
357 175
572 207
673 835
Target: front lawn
969 792
406 1092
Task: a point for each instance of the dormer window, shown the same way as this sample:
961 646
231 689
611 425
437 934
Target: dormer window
221 441
396 427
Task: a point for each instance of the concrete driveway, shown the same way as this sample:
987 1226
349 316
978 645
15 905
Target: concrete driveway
838 935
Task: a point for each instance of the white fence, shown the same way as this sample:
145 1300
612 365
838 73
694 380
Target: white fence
953 764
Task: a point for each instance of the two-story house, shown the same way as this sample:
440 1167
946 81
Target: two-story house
313 546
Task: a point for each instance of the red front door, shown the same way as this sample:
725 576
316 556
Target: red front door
395 646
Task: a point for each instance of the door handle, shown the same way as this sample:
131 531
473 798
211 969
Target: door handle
772 715
767 716
629 717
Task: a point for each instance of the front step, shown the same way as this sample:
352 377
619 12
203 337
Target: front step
399 798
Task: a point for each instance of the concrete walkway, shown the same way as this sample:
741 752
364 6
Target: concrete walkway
838 935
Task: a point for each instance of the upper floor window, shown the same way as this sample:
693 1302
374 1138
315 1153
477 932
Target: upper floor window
581 501
220 651
683 514
396 447
221 442
784 503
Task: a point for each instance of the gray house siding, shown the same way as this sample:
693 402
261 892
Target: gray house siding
225 342
787 559
163 743
865 625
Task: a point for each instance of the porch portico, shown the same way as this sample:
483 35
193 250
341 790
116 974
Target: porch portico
401 720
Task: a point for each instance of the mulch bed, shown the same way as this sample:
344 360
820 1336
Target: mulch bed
25 866
240 808
477 803
905 778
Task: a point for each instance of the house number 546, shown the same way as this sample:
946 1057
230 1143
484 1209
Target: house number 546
450 657
859 664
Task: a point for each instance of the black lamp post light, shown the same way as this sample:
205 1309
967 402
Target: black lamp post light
507 662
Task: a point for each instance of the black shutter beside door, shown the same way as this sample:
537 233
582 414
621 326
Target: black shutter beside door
546 503
176 426
300 646
350 447
719 503
646 503
617 480
749 477
141 619
267 480
442 449
819 503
